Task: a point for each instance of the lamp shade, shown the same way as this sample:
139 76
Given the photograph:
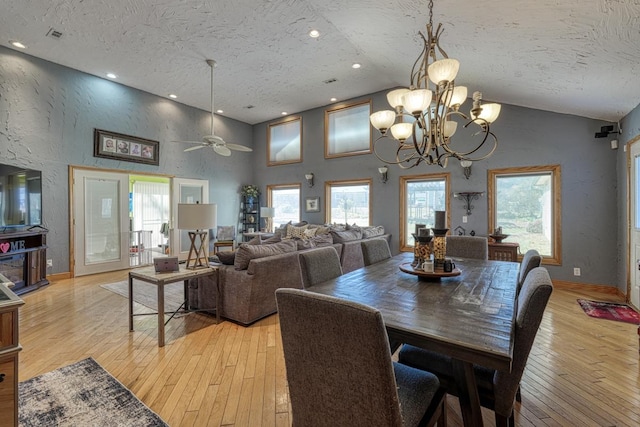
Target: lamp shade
395 97
382 120
197 216
459 95
443 70
401 131
416 101
267 212
490 112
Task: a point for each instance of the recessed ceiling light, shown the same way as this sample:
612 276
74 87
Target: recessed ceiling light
112 76
219 111
334 99
314 34
172 96
356 65
17 44
284 113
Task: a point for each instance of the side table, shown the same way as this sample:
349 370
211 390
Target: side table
149 275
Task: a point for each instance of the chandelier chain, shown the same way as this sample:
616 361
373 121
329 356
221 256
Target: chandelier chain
431 13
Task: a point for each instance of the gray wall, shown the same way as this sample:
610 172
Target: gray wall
47 117
526 137
48 114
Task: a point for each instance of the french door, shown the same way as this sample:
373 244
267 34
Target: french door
101 221
185 191
634 256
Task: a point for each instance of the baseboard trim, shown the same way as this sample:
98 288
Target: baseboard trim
564 284
59 276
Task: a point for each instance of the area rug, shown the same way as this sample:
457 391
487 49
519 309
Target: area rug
82 394
147 294
610 311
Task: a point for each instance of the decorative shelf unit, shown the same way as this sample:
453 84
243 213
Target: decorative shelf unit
250 214
467 197
23 258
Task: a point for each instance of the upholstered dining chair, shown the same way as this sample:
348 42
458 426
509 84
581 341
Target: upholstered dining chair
364 389
319 265
467 247
375 250
530 260
225 237
497 389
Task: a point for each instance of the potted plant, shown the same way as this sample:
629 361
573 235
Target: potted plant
250 191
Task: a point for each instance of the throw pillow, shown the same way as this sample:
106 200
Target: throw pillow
310 232
325 239
296 232
368 232
246 253
255 241
226 257
346 236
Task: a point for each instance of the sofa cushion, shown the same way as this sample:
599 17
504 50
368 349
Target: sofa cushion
346 235
246 253
368 232
325 239
226 257
273 239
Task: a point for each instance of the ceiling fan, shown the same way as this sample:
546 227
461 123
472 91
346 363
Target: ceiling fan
214 141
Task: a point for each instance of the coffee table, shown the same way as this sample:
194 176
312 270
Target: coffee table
149 275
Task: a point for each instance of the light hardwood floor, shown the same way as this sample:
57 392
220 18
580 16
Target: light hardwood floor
581 372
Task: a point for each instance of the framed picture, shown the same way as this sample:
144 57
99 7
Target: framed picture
112 145
347 131
312 204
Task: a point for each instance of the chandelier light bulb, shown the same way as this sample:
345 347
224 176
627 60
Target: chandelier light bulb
416 101
401 131
382 120
395 97
443 70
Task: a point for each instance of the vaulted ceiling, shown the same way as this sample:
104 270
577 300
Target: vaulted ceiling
578 57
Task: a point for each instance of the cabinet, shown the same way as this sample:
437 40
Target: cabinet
23 259
9 348
503 251
250 214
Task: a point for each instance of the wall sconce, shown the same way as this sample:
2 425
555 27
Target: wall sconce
466 166
309 178
383 174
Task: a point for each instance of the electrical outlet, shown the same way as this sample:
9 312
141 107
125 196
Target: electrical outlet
50 263
576 271
464 219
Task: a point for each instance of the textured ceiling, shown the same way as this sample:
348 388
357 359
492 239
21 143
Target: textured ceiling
571 56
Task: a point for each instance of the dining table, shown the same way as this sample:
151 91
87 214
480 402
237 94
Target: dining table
468 316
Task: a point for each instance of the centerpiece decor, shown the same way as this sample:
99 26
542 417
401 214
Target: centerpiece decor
440 239
423 246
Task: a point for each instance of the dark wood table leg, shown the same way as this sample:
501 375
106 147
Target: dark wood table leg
160 315
468 390
130 304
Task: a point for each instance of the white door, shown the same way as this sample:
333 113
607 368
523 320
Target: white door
185 191
634 189
101 221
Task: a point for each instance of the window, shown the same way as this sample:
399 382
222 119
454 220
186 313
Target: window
420 197
284 141
348 202
347 130
285 199
525 202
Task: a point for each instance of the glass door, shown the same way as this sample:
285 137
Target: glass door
101 221
185 191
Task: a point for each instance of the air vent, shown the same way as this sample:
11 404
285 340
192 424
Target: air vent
248 107
330 81
53 33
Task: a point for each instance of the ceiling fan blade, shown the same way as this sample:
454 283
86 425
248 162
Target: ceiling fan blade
213 139
238 147
189 142
197 147
222 150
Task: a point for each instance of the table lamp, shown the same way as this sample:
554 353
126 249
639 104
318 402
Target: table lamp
198 217
268 213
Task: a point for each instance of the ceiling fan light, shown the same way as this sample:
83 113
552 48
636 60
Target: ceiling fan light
401 131
443 70
416 101
382 120
395 97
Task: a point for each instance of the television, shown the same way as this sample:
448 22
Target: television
20 197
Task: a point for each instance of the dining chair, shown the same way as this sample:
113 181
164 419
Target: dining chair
530 260
375 250
364 389
497 389
467 247
319 265
225 237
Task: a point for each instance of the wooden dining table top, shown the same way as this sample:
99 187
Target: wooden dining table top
469 317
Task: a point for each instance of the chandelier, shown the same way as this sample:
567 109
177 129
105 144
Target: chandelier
427 114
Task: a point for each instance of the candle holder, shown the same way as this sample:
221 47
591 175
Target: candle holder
422 249
439 246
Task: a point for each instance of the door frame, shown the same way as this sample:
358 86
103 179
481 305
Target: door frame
630 266
72 219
